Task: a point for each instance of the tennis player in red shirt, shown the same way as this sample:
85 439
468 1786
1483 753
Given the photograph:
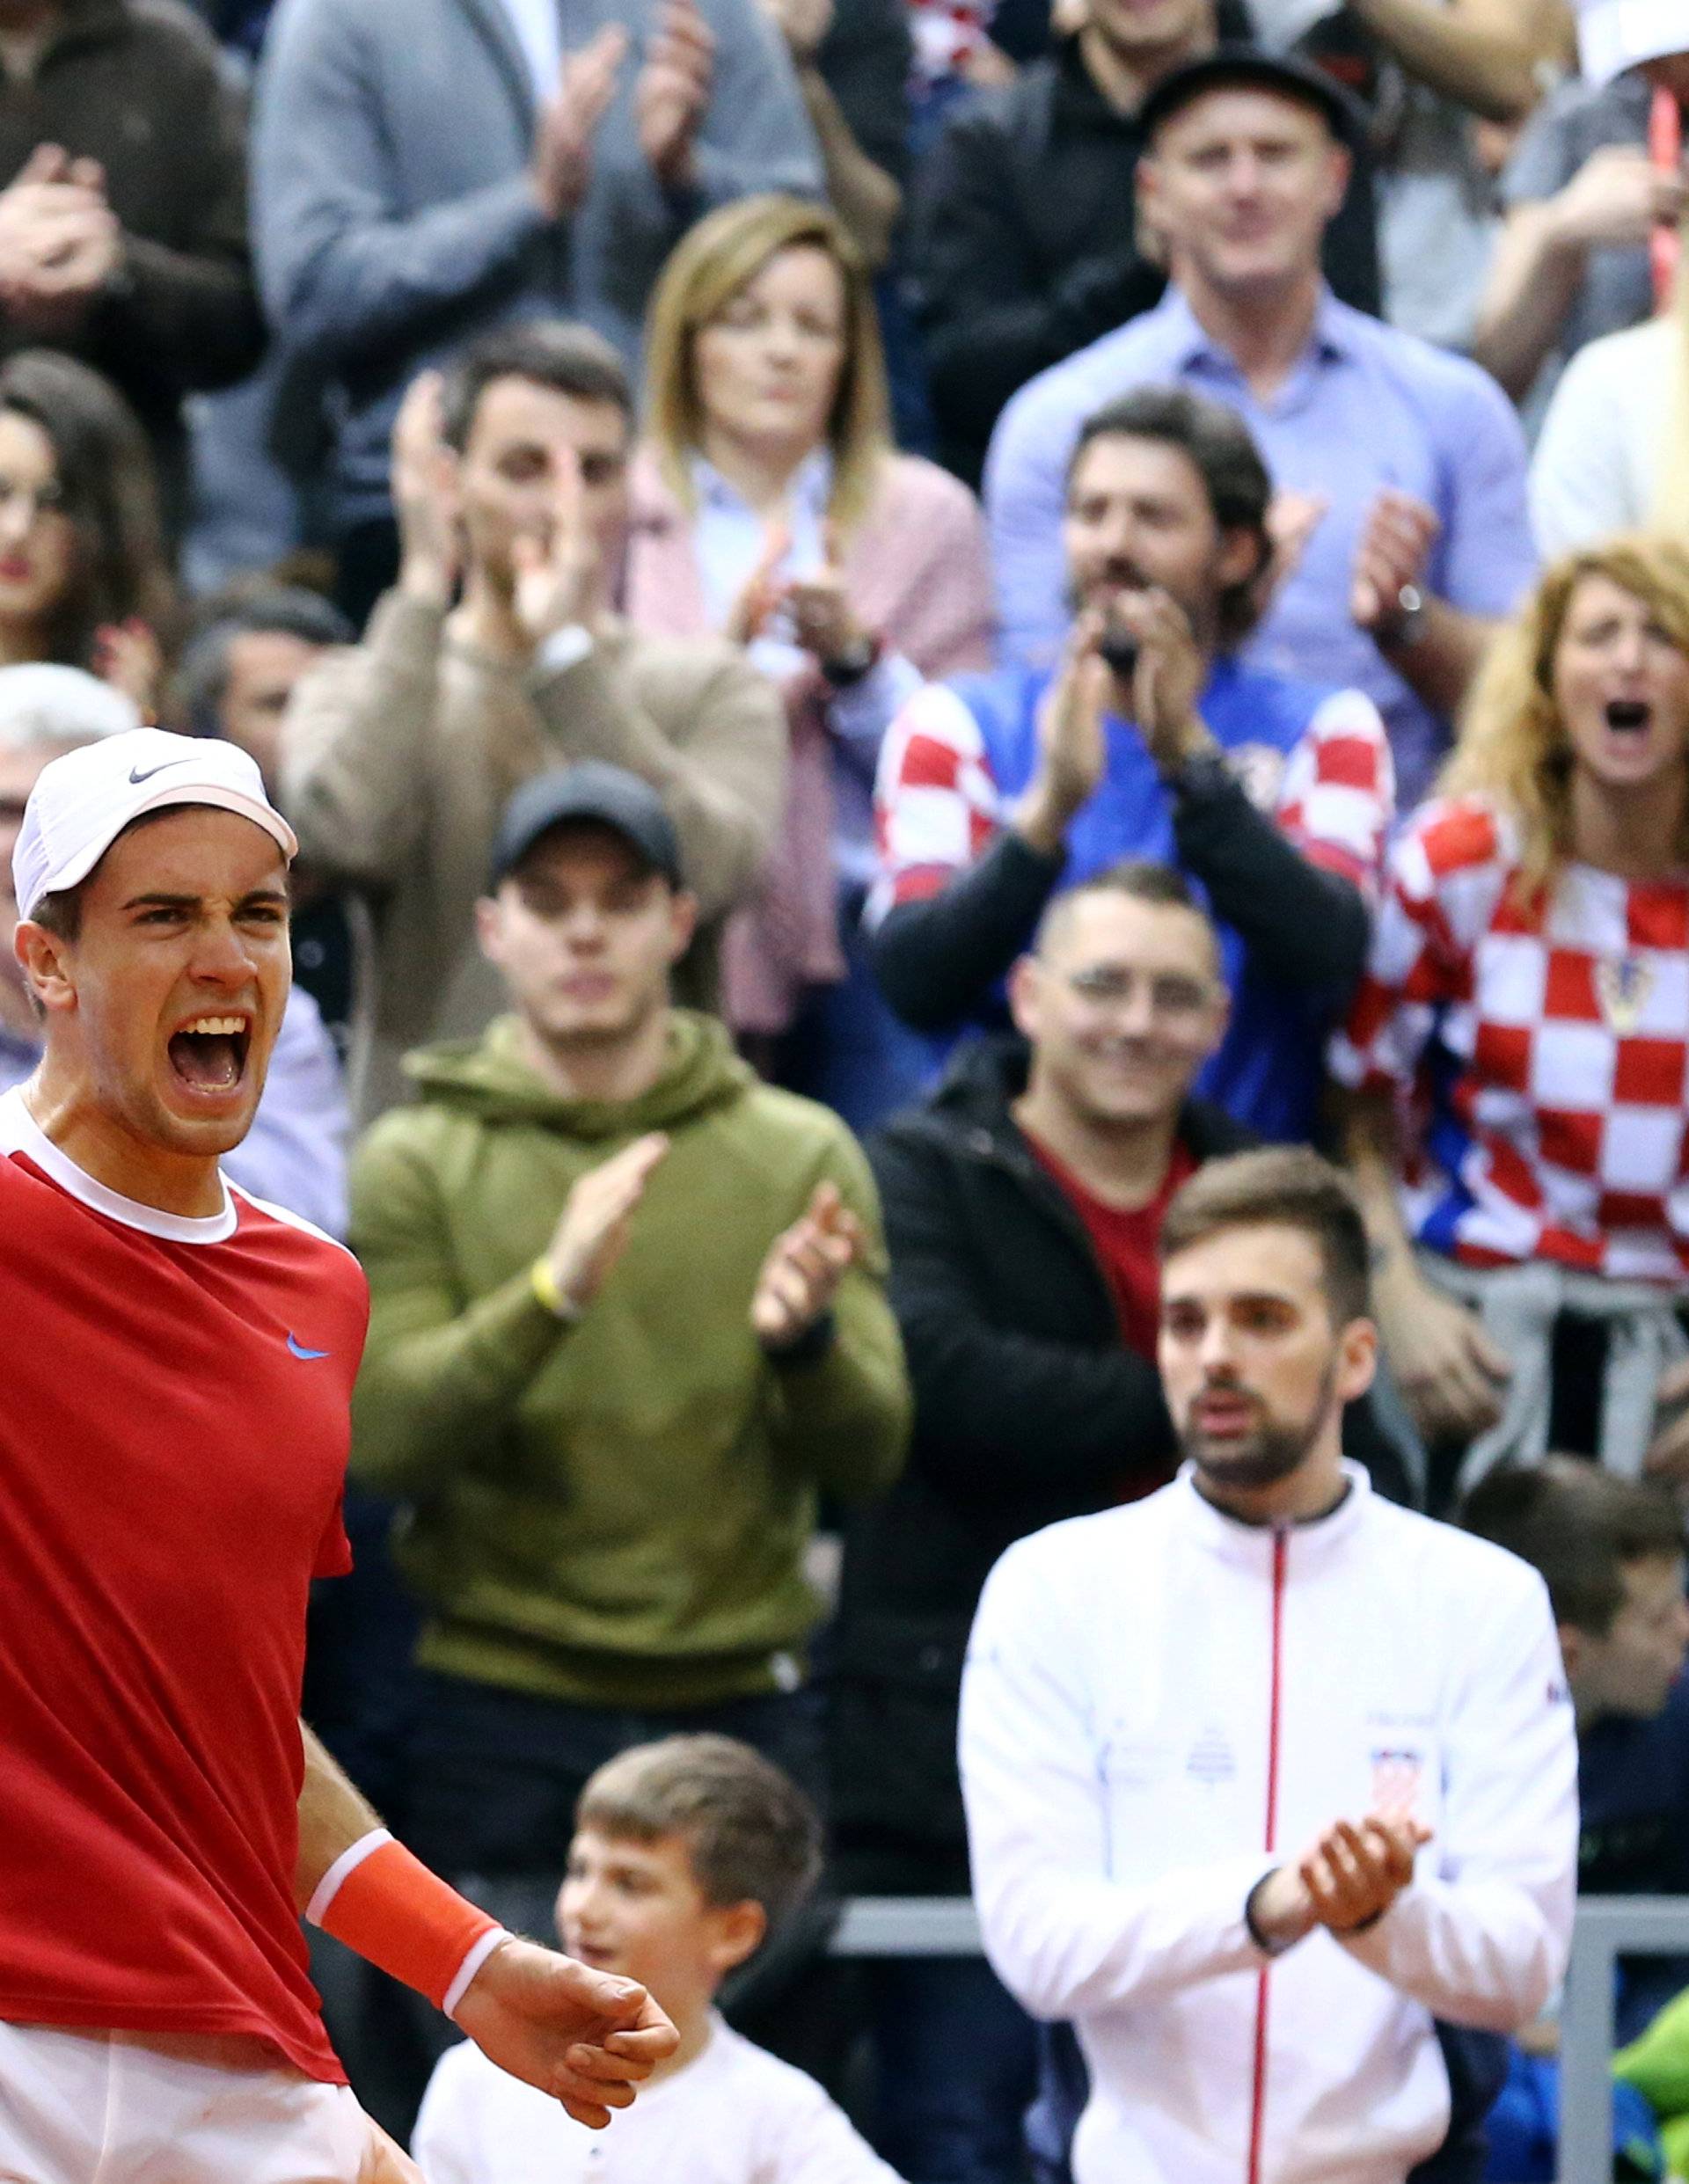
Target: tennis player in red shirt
177 1359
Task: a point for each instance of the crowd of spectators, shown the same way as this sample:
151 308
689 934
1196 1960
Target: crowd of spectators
886 624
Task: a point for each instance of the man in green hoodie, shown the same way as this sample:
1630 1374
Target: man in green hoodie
628 1319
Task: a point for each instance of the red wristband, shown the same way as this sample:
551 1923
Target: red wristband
388 1907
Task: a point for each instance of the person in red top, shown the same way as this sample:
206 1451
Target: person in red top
179 1359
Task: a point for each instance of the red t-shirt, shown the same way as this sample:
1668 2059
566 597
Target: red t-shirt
1125 1241
173 1437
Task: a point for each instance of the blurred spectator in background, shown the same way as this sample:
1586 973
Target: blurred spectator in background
1149 740
399 755
1400 469
1518 1047
1448 83
295 1154
1587 198
769 505
1613 451
628 1319
123 225
1611 1552
84 577
1022 1204
1027 243
237 674
572 151
851 59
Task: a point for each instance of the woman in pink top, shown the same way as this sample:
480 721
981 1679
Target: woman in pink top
769 503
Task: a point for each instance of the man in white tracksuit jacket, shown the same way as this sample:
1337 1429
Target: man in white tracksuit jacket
1262 1773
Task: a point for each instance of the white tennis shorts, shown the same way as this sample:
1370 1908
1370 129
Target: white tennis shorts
81 2107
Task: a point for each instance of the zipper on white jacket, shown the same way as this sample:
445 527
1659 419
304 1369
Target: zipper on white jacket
1258 2105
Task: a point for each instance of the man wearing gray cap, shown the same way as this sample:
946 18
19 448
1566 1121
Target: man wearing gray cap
628 1320
177 1360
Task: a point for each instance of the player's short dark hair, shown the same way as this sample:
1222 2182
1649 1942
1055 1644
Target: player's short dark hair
556 352
1578 1527
752 1835
1221 450
1139 879
1287 1186
265 611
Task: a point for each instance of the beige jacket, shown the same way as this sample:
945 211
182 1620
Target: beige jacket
400 754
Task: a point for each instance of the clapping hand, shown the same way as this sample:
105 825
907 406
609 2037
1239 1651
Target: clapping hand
598 1219
1353 1875
673 92
1167 678
756 604
568 123
425 496
1071 747
822 619
1394 549
60 241
1348 1876
804 1268
554 574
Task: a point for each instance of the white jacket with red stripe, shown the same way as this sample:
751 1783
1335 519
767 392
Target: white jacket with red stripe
1161 1703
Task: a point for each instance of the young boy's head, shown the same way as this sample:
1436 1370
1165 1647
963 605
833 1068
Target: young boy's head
1611 1552
686 1854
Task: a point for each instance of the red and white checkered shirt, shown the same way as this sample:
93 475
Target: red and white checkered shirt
1547 1044
938 805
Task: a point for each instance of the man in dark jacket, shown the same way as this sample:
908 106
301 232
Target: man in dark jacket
1022 1206
123 213
1025 244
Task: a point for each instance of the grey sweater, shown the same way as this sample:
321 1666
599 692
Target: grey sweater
391 209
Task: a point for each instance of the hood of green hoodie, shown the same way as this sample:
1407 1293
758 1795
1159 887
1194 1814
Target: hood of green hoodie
489 1077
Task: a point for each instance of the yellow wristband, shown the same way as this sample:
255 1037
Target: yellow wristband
546 1288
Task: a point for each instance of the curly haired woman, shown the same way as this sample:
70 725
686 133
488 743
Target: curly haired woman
1516 1052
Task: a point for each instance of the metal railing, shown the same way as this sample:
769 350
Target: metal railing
1607 1928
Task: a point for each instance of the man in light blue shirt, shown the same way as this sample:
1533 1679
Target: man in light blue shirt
1400 469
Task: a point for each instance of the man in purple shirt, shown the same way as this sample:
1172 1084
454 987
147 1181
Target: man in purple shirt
1400 469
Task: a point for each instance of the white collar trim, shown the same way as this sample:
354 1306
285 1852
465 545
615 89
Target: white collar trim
19 1132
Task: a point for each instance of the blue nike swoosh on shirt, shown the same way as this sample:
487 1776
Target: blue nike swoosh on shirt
298 1348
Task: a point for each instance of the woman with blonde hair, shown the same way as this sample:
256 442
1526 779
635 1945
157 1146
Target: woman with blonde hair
1517 1054
770 504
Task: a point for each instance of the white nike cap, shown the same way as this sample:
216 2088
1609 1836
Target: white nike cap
1613 35
82 801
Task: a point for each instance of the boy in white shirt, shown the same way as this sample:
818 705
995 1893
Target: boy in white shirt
686 1854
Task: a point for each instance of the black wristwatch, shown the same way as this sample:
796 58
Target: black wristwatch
1401 630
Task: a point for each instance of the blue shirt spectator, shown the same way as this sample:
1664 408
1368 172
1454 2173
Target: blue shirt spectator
1272 795
1372 438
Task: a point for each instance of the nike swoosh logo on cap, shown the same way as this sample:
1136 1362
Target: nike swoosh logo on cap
299 1351
137 775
